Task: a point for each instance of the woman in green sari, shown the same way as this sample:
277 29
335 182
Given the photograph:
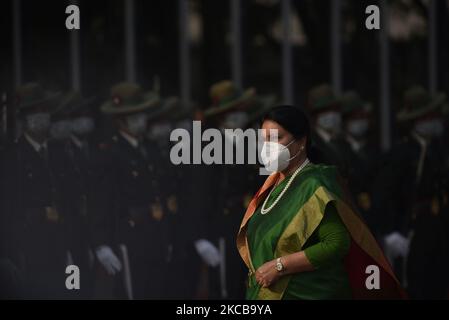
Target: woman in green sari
299 237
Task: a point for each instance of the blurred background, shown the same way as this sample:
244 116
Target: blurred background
284 49
277 47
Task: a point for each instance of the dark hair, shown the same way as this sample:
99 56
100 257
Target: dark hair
292 119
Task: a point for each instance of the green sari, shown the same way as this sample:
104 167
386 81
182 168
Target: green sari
295 224
326 282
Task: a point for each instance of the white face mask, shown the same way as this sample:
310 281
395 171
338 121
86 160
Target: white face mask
61 129
235 120
330 121
160 132
82 126
358 128
275 156
38 123
137 124
430 128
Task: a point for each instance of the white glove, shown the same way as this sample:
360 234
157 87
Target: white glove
396 245
208 252
108 259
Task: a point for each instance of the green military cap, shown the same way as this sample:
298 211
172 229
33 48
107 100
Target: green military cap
352 104
33 95
73 102
226 97
418 102
322 97
127 97
260 107
165 108
181 112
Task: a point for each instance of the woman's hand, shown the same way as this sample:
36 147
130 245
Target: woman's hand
267 274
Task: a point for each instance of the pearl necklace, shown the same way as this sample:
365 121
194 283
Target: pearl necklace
265 211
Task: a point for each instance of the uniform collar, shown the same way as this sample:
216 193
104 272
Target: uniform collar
131 140
36 145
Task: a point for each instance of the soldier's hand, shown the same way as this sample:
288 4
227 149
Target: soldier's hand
396 245
108 260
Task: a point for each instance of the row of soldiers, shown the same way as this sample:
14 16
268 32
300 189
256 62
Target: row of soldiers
92 184
101 193
403 193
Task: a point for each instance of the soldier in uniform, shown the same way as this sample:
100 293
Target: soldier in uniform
232 186
184 198
363 156
85 173
35 198
130 237
10 278
328 144
408 196
61 126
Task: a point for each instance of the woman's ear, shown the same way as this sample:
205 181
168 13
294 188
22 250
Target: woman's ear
303 143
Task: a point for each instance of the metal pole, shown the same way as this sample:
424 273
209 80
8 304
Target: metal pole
336 45
385 107
75 56
236 46
432 56
287 66
184 58
17 41
130 40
